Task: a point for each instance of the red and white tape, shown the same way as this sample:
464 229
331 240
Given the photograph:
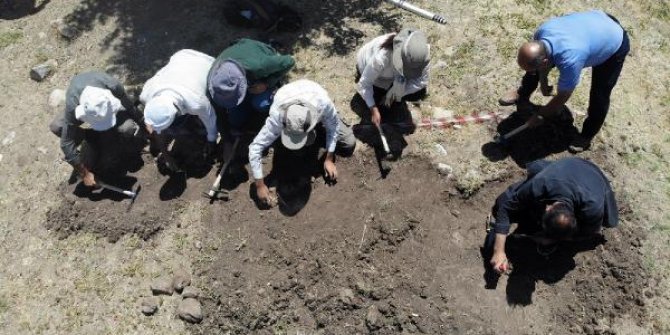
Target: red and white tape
444 122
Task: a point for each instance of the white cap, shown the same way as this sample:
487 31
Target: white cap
98 107
160 112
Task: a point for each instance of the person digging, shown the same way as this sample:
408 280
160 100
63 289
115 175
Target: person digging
566 200
95 103
300 110
176 103
571 43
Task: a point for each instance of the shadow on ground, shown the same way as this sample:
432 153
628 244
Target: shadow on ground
16 9
552 137
149 32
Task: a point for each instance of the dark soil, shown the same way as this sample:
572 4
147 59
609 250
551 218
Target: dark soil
401 255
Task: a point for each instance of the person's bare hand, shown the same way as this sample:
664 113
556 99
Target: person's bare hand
89 179
499 262
375 116
330 169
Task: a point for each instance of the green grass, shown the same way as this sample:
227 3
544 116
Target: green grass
4 305
10 37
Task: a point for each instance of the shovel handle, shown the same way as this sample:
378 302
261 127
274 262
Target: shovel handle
116 189
515 131
385 143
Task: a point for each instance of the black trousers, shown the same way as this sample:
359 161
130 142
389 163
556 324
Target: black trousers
604 78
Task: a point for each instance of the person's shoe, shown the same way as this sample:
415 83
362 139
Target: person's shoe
510 98
579 144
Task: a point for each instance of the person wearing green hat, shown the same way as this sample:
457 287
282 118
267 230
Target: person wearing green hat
242 81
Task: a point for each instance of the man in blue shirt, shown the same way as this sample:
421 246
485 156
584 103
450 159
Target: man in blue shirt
570 43
559 200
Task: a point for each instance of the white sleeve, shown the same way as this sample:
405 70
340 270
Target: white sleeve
370 73
208 118
417 84
331 124
268 134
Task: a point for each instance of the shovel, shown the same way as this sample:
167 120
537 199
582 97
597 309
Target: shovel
385 143
215 192
502 139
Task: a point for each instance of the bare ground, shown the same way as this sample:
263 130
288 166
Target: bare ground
263 272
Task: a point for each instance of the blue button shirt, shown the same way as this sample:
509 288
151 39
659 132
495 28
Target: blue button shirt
577 41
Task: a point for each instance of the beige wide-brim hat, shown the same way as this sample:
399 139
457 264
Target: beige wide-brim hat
411 53
300 119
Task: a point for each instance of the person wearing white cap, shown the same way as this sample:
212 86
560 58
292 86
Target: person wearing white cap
301 109
393 68
97 101
176 91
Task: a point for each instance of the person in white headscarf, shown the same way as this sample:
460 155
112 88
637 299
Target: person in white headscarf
98 102
393 68
177 91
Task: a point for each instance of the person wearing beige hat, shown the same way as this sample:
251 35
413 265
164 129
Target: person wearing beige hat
95 102
301 110
393 68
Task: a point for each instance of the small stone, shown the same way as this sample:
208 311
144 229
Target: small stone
191 292
373 319
190 310
65 30
149 305
41 71
162 285
440 149
347 296
444 169
198 245
56 98
439 65
181 279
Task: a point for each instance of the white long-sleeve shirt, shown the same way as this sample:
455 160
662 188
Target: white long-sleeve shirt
184 78
376 68
305 90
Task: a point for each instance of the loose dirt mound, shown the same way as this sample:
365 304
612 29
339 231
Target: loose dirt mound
401 255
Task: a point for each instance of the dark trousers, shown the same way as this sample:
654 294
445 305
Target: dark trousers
603 80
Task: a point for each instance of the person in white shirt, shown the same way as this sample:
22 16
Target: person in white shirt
393 68
179 90
301 109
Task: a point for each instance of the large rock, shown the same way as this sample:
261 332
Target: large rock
181 279
42 71
56 98
149 305
162 285
64 29
190 310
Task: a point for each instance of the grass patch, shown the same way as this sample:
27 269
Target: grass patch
8 38
4 305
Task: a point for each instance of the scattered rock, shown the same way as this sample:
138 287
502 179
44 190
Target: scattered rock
65 30
440 149
149 305
198 245
162 285
444 169
441 113
181 280
374 319
56 98
439 65
41 71
9 139
190 310
191 292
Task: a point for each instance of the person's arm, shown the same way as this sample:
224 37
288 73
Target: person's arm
208 118
119 92
366 90
555 105
268 134
331 123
